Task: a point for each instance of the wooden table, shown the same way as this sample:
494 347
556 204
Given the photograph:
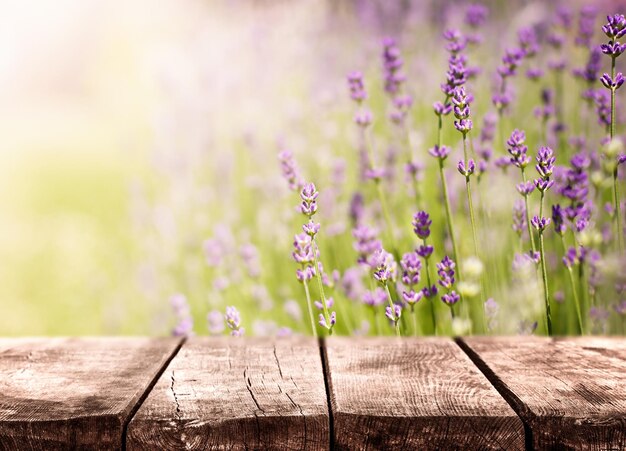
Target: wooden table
511 393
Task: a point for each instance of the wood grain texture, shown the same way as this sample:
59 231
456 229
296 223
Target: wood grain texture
391 394
237 394
570 392
58 393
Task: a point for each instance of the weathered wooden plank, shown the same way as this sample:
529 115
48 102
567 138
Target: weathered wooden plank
60 393
414 394
570 392
237 394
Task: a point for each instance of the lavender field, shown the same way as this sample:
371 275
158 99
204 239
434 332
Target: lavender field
345 168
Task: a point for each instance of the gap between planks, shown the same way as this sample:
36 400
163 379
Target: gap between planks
149 388
511 398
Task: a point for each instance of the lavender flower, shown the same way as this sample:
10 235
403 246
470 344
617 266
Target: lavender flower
290 170
184 326
411 268
525 188
540 223
602 101
529 44
392 66
586 25
461 110
395 314
450 298
363 118
466 171
233 321
421 224
303 249
590 71
441 109
308 194
445 270
545 168
412 297
328 324
517 149
215 322
612 84
519 217
357 87
375 298
439 152
366 242
424 251
383 266
476 15
558 219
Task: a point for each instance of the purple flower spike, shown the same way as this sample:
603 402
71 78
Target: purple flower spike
517 149
421 224
392 66
375 298
450 298
545 162
571 257
290 170
558 219
440 152
393 315
333 320
366 242
357 87
441 109
303 249
615 27
363 118
543 184
466 171
586 25
612 84
306 274
233 321
540 223
613 49
528 41
311 228
309 194
445 270
430 292
412 297
476 15
383 266
424 251
525 188
411 269
519 216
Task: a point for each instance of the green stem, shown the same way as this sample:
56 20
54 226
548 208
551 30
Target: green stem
391 306
320 285
530 231
310 307
618 215
444 186
545 284
431 299
576 300
469 197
